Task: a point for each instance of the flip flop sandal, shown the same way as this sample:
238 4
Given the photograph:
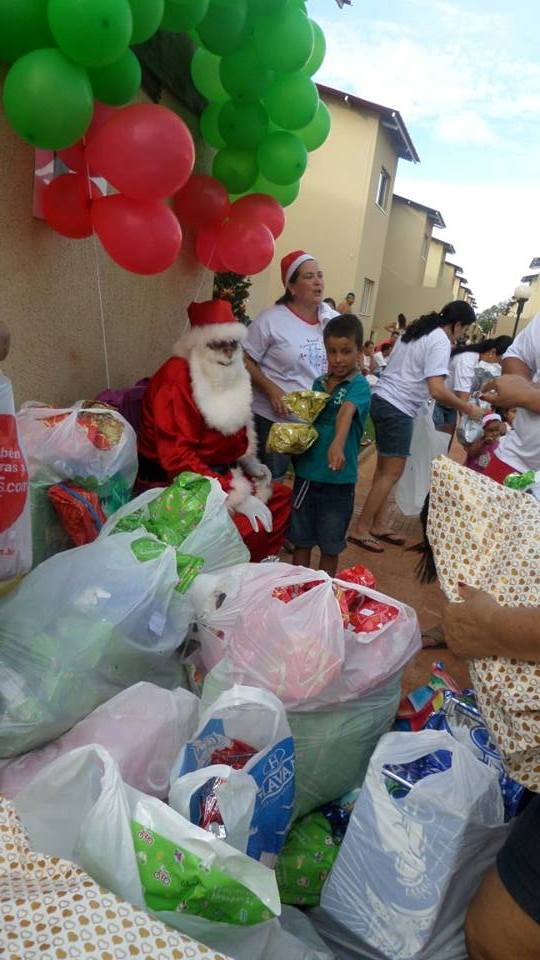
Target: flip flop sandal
367 543
392 538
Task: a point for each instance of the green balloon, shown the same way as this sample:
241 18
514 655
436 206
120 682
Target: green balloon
243 125
48 100
282 157
223 28
205 76
316 132
209 124
243 75
268 7
23 27
183 15
147 16
284 42
236 169
117 83
285 194
292 101
91 32
318 53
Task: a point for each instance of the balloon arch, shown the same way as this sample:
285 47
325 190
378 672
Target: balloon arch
69 88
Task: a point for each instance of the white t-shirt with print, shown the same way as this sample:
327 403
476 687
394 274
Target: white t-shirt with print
403 381
520 448
289 351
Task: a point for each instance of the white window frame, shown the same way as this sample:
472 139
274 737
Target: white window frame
384 186
367 297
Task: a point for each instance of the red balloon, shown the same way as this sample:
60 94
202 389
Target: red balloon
260 208
144 150
75 157
142 236
206 244
203 200
245 248
67 204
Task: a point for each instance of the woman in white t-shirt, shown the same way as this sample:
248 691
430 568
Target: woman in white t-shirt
284 349
417 370
463 365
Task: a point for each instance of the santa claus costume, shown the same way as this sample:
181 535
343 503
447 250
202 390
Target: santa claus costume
196 415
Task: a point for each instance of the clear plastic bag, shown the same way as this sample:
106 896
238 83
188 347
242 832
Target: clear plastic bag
427 444
255 718
410 864
215 539
82 626
15 513
142 727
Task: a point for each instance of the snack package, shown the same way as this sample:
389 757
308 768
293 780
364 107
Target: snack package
416 708
79 510
15 517
306 404
292 438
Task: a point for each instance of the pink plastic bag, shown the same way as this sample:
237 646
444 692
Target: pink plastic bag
143 728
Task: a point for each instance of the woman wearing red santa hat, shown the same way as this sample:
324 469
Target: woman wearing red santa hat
284 348
196 415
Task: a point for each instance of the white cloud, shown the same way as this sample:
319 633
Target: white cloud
494 228
467 126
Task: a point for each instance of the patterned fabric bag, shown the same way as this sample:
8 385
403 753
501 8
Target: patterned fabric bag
487 536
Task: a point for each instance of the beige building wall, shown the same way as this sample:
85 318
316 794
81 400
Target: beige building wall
435 258
335 217
532 306
50 297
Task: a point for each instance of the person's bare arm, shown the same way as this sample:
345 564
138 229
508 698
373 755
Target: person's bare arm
473 449
512 390
274 393
516 367
336 454
447 398
480 627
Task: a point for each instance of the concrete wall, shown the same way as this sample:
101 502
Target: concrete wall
435 258
50 297
336 201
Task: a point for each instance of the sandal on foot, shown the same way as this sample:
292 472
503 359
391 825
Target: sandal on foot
367 543
392 538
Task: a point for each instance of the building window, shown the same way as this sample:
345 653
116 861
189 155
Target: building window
383 189
367 296
425 247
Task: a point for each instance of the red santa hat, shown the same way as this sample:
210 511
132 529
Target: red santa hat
213 320
291 262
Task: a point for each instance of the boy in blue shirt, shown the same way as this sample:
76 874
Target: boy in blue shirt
326 474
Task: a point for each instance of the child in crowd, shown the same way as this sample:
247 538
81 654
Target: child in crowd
381 357
326 474
366 362
480 452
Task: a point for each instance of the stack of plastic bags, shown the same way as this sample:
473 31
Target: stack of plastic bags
83 463
83 626
292 631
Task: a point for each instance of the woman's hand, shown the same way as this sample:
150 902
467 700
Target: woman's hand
474 412
336 457
511 391
467 626
275 395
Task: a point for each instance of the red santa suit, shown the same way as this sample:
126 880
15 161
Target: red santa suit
196 415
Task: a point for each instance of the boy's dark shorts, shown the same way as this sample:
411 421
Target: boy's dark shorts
324 516
518 862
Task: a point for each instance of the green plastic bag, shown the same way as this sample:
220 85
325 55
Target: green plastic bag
146 548
174 879
174 513
306 860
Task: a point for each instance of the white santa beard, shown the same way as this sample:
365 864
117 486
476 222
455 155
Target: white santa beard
223 394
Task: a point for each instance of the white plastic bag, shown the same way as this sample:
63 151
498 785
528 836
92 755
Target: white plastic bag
15 512
408 868
300 649
82 626
80 809
215 538
142 727
62 443
256 718
427 444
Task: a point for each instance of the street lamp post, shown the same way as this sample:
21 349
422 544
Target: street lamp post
521 295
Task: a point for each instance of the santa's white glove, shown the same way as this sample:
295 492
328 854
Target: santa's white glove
252 467
257 512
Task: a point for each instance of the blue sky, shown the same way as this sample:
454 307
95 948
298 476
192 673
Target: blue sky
465 75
